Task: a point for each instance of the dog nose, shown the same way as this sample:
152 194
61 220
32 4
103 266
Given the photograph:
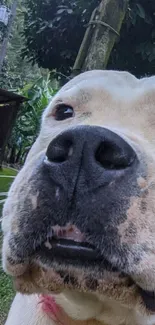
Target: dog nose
96 144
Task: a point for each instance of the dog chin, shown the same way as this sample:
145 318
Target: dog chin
43 276
67 260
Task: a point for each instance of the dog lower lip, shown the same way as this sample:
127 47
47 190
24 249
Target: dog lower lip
70 249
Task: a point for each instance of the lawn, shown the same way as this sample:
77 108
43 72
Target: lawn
6 290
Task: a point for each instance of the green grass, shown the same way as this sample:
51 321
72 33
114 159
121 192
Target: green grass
5 182
6 294
8 172
6 290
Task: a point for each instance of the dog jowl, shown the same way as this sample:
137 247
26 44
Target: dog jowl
80 213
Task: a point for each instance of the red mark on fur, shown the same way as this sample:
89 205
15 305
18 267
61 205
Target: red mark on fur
50 307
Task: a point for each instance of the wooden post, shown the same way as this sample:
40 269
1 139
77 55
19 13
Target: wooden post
103 30
8 115
9 107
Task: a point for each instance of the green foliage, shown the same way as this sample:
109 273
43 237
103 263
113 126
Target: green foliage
6 294
2 26
6 287
54 30
16 71
27 124
7 176
135 50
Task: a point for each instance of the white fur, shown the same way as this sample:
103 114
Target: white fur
25 310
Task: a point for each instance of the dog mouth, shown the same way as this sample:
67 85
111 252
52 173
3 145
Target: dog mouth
67 245
68 242
70 249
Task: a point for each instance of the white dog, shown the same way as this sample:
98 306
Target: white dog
79 220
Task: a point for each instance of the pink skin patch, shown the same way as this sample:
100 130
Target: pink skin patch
68 232
50 307
48 304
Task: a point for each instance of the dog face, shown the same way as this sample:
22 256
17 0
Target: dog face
81 212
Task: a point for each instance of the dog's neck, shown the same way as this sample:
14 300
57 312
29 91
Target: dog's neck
59 316
64 311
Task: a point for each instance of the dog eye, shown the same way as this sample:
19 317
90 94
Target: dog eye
62 112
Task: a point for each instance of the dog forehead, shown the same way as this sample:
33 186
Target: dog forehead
109 86
104 78
91 84
110 80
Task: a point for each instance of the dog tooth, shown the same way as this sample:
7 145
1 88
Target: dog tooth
48 244
70 152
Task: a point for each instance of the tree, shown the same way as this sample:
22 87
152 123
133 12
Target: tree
103 29
7 34
16 71
135 51
54 31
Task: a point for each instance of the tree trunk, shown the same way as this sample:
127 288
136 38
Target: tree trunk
8 113
12 156
101 35
7 34
18 155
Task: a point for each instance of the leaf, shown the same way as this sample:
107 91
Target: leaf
133 16
140 11
153 33
70 11
50 24
148 20
60 11
41 29
62 6
151 57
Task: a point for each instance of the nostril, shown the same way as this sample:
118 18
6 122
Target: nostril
59 152
112 156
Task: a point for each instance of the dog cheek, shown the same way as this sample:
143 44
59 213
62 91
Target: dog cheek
13 207
138 231
39 280
143 274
